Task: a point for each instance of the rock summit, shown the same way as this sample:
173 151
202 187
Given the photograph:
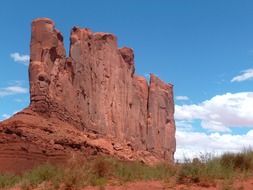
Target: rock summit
88 102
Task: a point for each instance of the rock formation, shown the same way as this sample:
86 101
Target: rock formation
90 100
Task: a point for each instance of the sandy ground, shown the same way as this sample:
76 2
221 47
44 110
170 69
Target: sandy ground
158 185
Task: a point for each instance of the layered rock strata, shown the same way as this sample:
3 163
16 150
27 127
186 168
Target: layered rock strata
95 90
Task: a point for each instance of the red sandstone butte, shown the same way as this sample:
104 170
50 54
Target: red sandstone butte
90 102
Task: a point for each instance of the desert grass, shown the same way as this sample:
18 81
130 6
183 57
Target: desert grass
225 168
99 171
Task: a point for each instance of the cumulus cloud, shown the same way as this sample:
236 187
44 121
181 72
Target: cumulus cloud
182 98
12 90
245 75
17 57
220 112
193 144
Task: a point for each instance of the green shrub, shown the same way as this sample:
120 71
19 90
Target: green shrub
8 180
38 175
189 173
239 161
101 167
130 171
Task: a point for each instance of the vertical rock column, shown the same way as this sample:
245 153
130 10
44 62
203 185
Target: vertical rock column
138 121
45 48
161 125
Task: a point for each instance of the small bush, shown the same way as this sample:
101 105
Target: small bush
40 174
101 167
7 180
239 161
189 173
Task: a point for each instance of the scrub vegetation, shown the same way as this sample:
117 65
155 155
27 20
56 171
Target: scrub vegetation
78 173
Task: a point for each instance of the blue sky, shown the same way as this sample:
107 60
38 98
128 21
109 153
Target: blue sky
205 48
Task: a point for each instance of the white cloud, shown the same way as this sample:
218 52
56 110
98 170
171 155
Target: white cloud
19 100
20 58
193 144
182 98
220 112
5 116
16 89
184 125
12 90
245 75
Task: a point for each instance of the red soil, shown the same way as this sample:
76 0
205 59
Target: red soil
158 185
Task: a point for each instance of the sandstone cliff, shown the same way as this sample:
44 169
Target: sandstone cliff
89 100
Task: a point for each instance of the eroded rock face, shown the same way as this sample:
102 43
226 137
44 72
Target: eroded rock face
161 124
96 90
